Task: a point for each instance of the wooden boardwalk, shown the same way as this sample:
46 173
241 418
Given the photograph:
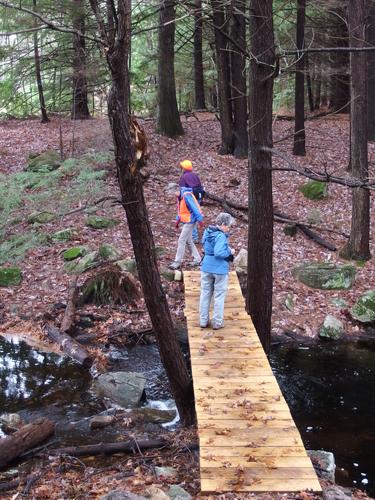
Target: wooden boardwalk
248 439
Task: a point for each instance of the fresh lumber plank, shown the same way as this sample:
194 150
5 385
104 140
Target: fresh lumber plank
210 459
250 423
247 452
247 438
223 484
249 473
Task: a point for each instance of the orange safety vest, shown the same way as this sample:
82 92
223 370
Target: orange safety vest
184 214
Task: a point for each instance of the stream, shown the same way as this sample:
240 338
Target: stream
330 389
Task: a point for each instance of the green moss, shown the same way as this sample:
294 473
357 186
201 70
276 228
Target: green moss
63 236
325 276
97 222
364 309
74 252
314 190
10 276
44 162
40 217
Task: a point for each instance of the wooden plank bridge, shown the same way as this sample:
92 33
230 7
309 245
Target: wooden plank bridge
248 439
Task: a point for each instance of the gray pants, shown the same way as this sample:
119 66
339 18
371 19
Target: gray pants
212 285
186 239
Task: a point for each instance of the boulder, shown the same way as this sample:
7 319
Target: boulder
314 190
364 309
121 495
240 262
153 415
83 264
165 472
332 328
290 229
109 252
167 274
100 421
324 464
124 388
74 252
10 276
127 265
178 493
44 162
155 493
325 276
97 222
40 217
336 493
63 236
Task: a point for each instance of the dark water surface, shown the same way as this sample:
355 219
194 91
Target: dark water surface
330 390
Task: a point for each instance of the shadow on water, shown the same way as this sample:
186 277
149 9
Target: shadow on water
330 390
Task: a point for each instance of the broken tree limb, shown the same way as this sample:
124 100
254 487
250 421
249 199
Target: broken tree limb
69 345
278 217
70 310
110 448
25 438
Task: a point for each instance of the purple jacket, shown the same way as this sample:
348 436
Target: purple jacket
190 180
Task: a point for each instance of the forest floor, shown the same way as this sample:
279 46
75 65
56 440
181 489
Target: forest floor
45 282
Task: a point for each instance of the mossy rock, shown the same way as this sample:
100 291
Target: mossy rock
290 230
325 276
314 190
332 328
128 265
44 162
109 252
74 252
10 276
97 222
364 309
110 286
40 217
63 236
83 264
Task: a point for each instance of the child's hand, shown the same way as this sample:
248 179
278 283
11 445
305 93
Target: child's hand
232 251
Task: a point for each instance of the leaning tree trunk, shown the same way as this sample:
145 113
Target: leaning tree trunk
260 235
223 77
168 120
130 150
198 57
38 73
238 71
80 107
299 147
358 246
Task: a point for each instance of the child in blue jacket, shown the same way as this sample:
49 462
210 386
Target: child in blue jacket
214 271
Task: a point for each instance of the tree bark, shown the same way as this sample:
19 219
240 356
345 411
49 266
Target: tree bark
69 346
80 106
198 57
109 448
168 119
38 72
130 153
299 146
69 315
25 438
238 84
358 246
339 64
371 73
223 77
309 84
260 234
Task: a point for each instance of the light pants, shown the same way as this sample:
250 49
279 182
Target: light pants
186 239
212 285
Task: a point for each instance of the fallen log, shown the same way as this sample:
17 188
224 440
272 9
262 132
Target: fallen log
70 310
69 345
278 217
25 438
132 446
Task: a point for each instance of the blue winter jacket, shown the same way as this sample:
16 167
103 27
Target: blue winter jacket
216 251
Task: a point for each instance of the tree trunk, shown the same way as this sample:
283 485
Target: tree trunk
371 73
260 234
299 147
130 151
238 67
38 73
318 85
80 106
358 247
309 84
25 438
339 63
198 57
69 346
223 77
168 119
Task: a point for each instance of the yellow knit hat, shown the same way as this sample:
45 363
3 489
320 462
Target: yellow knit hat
186 165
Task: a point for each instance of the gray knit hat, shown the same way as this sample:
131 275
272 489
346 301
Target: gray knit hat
224 219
